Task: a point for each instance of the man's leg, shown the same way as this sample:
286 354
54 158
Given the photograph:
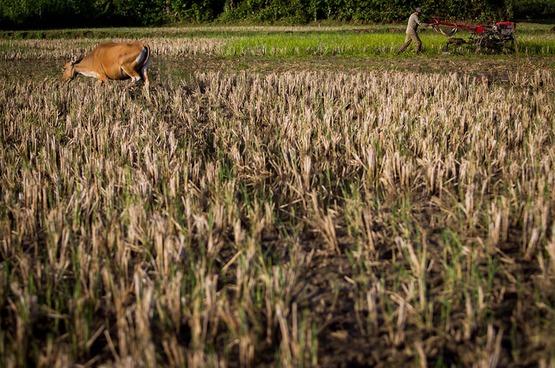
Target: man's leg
417 41
408 40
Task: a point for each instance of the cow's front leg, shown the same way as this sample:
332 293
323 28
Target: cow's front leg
100 81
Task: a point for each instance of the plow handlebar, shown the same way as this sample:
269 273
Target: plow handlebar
505 27
476 28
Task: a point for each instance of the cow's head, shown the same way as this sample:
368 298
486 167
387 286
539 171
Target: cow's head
69 69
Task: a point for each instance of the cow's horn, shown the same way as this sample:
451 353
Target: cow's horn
75 60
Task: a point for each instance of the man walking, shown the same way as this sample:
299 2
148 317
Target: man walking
412 32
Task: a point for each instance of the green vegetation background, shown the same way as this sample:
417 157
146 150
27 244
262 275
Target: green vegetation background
78 13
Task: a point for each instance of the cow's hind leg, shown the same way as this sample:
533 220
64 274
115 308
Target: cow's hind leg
132 73
144 77
146 83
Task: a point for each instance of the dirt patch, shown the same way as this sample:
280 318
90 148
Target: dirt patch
494 69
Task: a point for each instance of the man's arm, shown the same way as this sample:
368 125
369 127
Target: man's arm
422 24
416 19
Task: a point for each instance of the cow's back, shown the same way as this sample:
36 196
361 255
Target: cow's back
109 57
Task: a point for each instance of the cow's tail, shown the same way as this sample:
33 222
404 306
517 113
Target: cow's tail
144 57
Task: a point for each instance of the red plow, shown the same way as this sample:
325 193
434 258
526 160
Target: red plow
496 38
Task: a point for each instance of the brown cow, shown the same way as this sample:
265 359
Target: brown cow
112 60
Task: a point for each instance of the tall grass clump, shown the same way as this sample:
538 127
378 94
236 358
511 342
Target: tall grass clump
322 45
363 44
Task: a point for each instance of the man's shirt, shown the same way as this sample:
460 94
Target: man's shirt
414 22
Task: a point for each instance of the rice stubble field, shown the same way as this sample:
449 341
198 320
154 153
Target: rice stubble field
332 216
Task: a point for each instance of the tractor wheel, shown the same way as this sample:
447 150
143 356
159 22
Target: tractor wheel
490 44
454 44
509 46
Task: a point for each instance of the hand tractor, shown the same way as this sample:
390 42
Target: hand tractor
492 39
